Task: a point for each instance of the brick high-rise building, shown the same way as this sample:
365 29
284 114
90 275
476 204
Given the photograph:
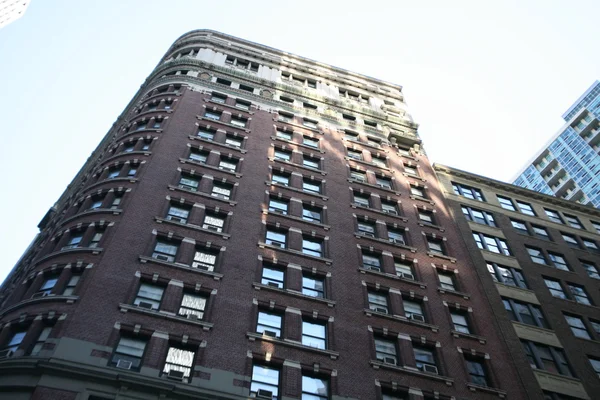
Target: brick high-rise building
255 224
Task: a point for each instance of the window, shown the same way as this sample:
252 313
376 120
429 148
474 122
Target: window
540 232
283 135
72 284
477 373
286 117
525 208
481 217
559 261
265 382
349 135
132 171
417 191
361 200
366 228
141 126
233 141
506 275
546 358
389 207
269 324
310 213
46 288
221 191
192 306
312 186
314 335
519 226
525 313
536 255
15 341
96 204
279 206
506 203
468 192
273 277
425 216
128 353
39 343
596 226
385 351
371 261
404 269
313 286
372 124
446 280
214 222
378 302
309 123
411 170
188 183
577 327
95 240
149 296
228 164
396 236
165 251
555 288
379 161
579 294
280 178
310 141
204 260
113 173
198 156
238 122
178 214
570 239
491 243
425 359
573 221
282 155
595 326
116 201
590 244
312 247
244 105
355 154
74 241
179 360
205 133
435 246
309 106
595 364
214 115
373 142
591 269
276 238
247 88
218 98
554 216
311 162
413 310
314 388
384 182
460 322
349 117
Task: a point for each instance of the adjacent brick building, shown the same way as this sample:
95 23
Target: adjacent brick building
255 224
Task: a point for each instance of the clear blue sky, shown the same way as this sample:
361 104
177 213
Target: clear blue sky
487 81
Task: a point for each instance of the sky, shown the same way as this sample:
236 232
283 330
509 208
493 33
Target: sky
487 81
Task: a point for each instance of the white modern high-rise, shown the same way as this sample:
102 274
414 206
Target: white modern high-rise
568 166
11 10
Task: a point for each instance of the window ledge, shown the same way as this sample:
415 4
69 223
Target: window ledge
434 328
358 206
224 145
111 180
316 130
214 275
241 110
325 198
432 226
293 217
163 314
371 146
318 171
378 187
474 388
458 334
202 194
464 295
210 120
125 153
500 254
95 211
167 94
260 286
287 342
327 261
370 164
199 164
46 299
414 177
93 250
442 256
422 285
379 240
191 226
304 146
423 199
378 364
578 303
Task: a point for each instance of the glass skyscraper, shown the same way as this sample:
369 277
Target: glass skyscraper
569 165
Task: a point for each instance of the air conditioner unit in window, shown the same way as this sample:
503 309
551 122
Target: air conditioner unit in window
408 276
380 309
162 257
213 228
417 317
124 364
430 368
389 360
264 394
274 284
176 375
269 333
6 353
144 304
201 266
40 294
